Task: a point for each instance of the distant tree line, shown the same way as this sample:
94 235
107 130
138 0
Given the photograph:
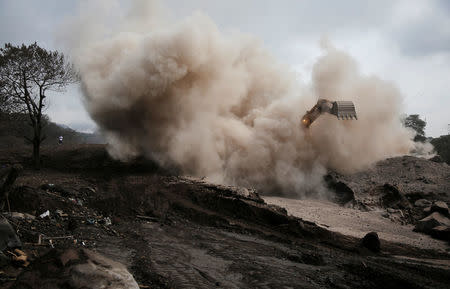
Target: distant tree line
442 147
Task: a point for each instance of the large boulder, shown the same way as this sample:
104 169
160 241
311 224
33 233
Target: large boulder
393 198
75 269
427 224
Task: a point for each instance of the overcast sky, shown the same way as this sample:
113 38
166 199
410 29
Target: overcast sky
403 41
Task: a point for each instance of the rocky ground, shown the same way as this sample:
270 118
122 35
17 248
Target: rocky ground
136 226
406 190
349 221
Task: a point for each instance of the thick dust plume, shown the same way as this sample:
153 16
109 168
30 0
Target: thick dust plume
219 105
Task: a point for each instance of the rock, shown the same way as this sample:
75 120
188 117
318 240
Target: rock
437 159
440 207
427 210
441 232
343 193
393 198
427 224
76 269
8 237
371 242
422 203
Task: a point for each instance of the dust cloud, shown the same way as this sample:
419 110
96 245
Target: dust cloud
220 105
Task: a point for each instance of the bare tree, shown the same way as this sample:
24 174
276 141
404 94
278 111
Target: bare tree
27 73
8 104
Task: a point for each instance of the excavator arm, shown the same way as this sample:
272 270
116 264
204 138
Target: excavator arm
341 109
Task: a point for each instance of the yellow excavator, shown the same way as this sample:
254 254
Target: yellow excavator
341 109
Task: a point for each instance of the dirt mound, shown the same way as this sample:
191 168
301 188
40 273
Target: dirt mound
416 178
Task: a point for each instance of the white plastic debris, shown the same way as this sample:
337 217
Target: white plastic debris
45 214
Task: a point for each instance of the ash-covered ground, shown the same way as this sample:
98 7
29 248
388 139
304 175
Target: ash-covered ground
136 225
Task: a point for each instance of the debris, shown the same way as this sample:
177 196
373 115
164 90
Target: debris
45 214
60 213
17 215
91 221
19 257
371 242
107 221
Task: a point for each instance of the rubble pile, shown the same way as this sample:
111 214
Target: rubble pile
411 191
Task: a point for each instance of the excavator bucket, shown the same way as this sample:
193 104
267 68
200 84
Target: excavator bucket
341 109
344 110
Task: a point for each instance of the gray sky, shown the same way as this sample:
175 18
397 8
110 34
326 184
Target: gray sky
403 41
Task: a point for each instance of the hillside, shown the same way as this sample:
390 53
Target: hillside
15 127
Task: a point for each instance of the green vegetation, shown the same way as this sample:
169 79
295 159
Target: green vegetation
413 121
442 147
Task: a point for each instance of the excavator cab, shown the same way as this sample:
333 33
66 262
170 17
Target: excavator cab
341 109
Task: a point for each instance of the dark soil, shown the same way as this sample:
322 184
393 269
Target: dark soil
176 232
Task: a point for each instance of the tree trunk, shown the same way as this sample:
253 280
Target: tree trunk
36 155
36 148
